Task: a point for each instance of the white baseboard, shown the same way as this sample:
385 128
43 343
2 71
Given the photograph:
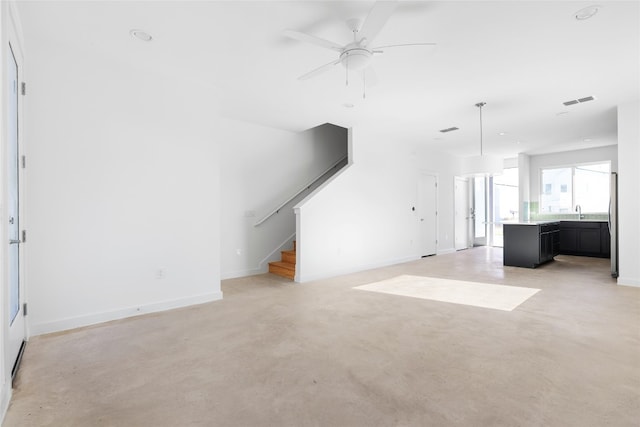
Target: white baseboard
94 318
243 273
626 281
349 270
446 251
5 398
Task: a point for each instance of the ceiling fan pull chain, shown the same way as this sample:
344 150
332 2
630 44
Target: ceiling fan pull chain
364 84
347 70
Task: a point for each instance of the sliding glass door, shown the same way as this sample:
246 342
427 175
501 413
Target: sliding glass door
505 203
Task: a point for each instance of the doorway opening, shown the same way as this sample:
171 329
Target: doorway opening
495 200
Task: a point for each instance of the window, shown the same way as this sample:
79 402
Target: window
584 185
591 186
554 200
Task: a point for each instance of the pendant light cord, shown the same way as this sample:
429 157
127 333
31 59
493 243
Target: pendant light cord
480 105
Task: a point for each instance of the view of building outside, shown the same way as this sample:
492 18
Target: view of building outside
564 188
556 191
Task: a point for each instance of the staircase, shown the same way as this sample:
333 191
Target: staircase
286 267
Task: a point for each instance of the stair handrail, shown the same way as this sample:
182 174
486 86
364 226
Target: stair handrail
305 188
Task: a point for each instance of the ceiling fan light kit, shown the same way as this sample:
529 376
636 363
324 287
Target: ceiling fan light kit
356 58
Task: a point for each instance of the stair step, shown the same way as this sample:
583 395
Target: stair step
289 256
284 269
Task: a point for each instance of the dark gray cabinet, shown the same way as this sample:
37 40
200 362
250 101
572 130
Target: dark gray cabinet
585 238
530 244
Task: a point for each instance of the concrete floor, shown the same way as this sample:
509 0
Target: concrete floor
275 353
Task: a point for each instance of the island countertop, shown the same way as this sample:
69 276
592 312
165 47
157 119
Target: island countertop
530 222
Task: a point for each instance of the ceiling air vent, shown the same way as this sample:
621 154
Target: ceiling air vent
579 100
448 129
588 98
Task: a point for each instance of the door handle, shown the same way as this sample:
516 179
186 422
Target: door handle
15 242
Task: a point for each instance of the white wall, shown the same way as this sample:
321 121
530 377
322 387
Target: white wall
123 190
565 158
629 193
362 218
262 167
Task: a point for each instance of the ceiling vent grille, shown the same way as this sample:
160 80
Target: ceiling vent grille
579 100
449 129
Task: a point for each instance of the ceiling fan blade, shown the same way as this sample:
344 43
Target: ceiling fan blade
297 35
369 76
319 70
404 44
378 16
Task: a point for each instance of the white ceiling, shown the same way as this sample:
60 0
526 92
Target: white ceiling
522 58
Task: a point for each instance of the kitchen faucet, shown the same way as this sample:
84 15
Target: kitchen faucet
579 210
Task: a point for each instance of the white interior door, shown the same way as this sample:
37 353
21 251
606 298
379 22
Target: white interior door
427 213
463 216
15 294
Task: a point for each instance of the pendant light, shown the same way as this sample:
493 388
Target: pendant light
482 164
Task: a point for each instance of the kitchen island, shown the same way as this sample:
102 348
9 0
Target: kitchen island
530 243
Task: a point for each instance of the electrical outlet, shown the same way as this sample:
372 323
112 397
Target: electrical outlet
160 273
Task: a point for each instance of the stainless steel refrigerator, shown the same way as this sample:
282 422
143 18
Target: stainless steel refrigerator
613 223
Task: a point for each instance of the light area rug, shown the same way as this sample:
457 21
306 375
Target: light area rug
499 297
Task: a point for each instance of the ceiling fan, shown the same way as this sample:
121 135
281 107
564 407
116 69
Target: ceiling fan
356 55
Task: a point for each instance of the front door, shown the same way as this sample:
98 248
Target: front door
16 294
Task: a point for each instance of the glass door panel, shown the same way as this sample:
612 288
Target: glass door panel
479 212
505 203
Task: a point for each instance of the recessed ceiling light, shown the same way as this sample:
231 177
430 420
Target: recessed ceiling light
587 12
348 105
502 133
142 35
587 140
562 113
